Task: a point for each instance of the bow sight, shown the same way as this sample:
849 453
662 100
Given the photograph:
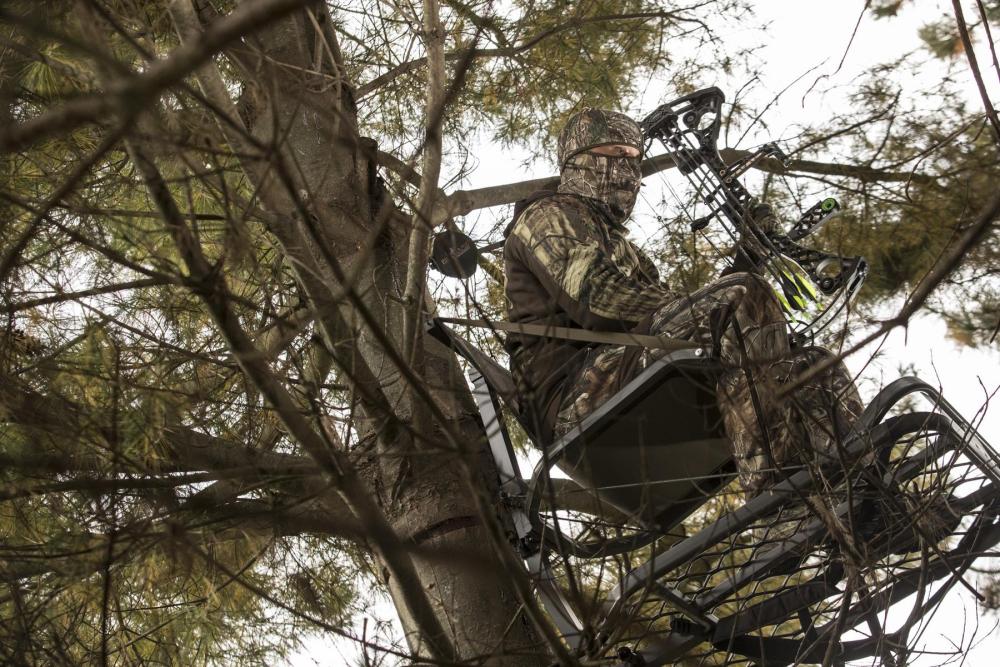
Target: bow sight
688 127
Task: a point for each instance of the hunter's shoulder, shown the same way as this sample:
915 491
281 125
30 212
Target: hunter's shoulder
556 215
559 204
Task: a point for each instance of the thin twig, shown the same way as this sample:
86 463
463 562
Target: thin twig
970 53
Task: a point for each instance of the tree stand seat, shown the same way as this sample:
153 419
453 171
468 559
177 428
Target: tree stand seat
648 553
651 463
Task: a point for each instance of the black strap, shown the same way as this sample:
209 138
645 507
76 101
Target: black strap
580 335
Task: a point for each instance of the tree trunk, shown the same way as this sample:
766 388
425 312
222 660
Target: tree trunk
423 490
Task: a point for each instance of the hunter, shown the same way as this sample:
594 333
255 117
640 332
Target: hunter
569 263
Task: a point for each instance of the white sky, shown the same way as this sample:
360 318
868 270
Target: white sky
803 34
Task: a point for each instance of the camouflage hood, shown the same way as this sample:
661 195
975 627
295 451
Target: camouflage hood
612 181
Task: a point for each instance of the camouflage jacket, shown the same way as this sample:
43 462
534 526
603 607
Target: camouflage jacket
569 264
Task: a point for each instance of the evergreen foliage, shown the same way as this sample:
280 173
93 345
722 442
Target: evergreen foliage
154 506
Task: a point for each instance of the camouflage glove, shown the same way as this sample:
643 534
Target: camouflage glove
750 250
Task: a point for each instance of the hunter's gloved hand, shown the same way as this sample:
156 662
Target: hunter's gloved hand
765 218
750 249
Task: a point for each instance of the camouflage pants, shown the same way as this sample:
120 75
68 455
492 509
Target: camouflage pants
739 317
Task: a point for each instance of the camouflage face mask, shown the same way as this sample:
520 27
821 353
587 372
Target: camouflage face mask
613 181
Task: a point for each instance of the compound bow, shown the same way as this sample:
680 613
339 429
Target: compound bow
689 128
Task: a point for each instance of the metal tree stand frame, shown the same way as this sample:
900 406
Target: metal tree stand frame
643 551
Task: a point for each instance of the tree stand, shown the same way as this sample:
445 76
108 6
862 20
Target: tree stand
643 551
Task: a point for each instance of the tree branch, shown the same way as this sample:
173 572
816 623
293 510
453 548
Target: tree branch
186 448
509 52
419 244
71 296
78 556
135 92
970 53
462 202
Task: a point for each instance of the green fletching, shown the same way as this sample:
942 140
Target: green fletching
785 306
805 285
795 290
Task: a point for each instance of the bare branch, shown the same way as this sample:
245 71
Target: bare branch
72 296
419 244
989 37
970 53
462 202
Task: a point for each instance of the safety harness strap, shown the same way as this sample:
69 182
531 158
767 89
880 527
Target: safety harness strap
580 335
